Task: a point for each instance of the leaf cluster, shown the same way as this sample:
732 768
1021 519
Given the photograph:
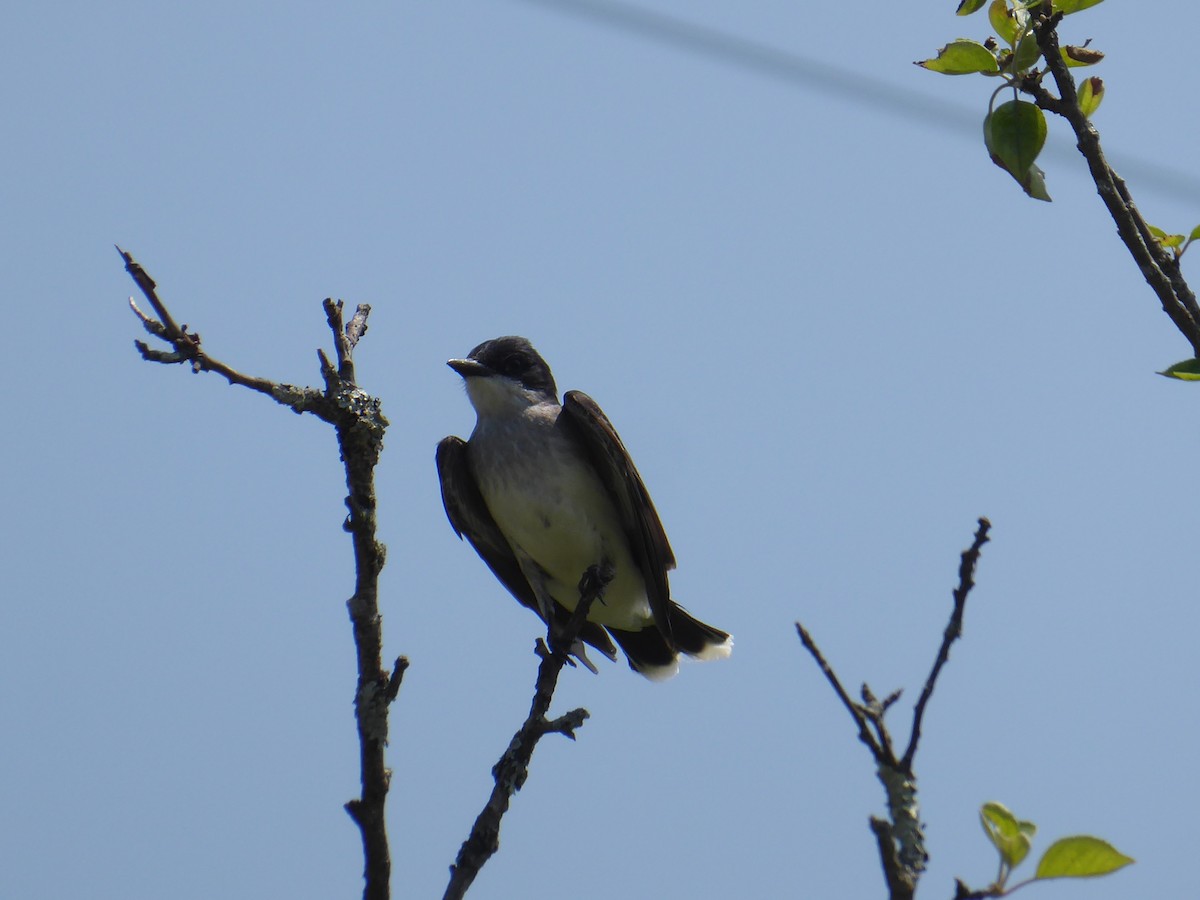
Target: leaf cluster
1015 131
1080 856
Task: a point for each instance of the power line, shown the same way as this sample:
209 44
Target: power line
876 93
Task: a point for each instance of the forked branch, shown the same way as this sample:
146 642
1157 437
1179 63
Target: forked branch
359 424
900 837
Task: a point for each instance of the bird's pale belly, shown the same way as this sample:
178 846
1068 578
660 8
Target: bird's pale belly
559 516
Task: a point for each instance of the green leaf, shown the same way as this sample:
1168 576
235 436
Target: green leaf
1015 131
1080 857
966 7
962 57
1079 56
1170 241
1002 20
1009 835
1195 235
1188 370
1027 53
1066 7
1091 93
1014 134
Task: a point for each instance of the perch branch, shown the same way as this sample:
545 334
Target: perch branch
513 768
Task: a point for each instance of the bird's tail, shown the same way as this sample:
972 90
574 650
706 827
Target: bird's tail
691 636
648 652
656 655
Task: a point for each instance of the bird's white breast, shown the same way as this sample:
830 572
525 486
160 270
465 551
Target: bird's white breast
555 511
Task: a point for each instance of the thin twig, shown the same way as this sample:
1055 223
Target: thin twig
855 710
360 425
513 768
966 581
187 348
346 337
398 670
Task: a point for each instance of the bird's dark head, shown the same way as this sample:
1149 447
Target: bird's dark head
512 358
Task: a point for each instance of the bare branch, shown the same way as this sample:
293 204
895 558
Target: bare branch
513 768
359 423
901 838
398 670
966 581
357 326
856 712
187 348
148 287
346 337
900 884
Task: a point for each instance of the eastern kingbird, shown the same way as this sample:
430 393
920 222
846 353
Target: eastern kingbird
544 492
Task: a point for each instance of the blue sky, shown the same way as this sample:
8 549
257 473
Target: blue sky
829 330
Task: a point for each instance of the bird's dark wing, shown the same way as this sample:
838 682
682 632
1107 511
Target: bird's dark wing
470 518
611 460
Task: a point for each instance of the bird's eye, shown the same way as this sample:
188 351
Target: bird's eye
515 364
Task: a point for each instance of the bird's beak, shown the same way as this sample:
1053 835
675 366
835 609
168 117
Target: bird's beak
468 368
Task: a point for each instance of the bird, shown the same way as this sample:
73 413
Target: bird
545 491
